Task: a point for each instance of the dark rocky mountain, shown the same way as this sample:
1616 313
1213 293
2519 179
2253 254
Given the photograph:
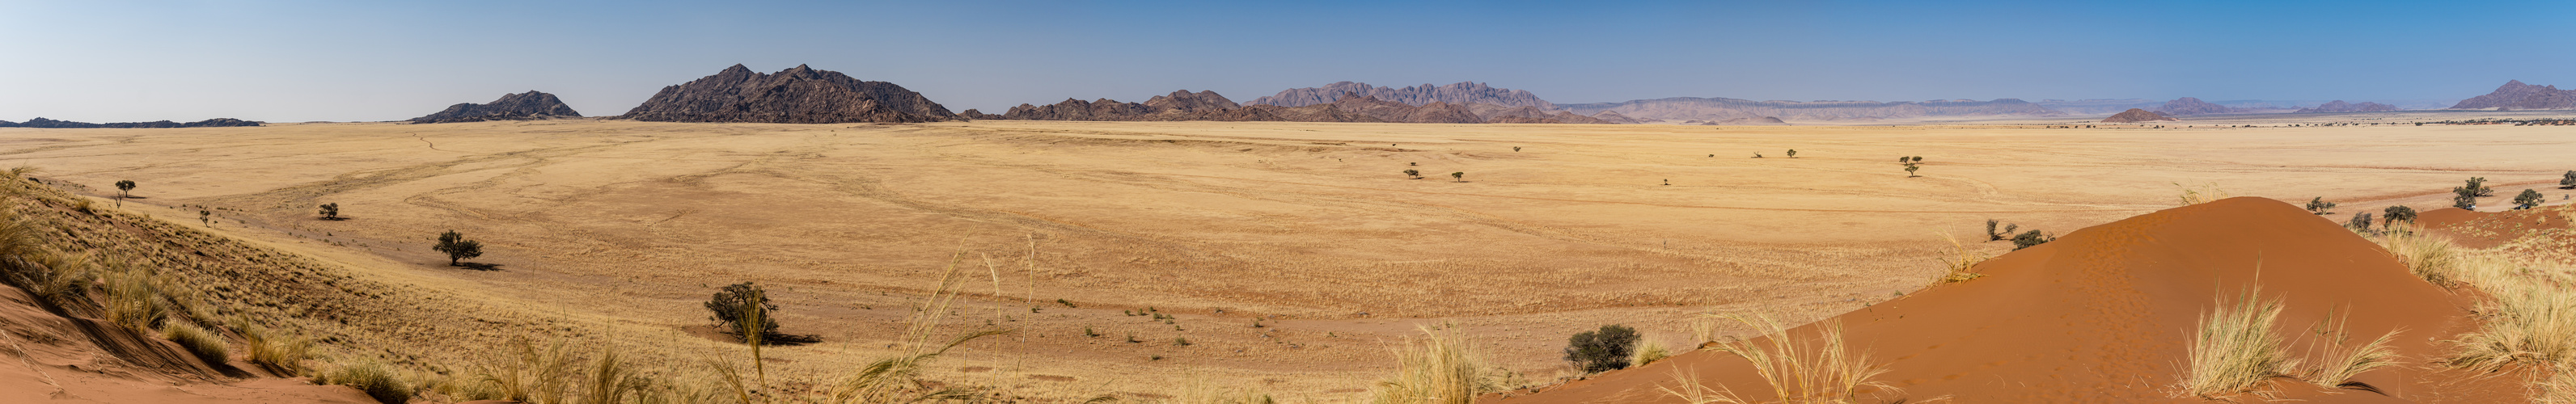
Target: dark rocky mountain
1720 109
49 123
2340 106
796 95
1497 114
1209 106
2138 115
1460 93
2192 106
511 107
2515 95
1177 106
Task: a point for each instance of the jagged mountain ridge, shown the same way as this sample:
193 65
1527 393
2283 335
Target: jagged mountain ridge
1460 93
2515 95
797 95
1349 107
520 106
1722 109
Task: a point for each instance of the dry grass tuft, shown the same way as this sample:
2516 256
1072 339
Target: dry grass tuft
206 346
2235 349
1818 370
2531 321
1962 263
1440 368
611 381
2201 194
2432 258
374 379
278 352
133 298
531 376
1648 351
2338 360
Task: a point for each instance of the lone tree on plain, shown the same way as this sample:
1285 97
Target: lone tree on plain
457 247
2528 199
331 211
1793 153
1992 235
2568 182
1458 176
2477 186
2320 206
1602 350
742 310
206 217
126 187
2360 221
1414 174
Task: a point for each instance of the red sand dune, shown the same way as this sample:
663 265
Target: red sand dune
2104 315
55 359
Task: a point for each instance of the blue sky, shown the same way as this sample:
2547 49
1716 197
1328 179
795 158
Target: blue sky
287 61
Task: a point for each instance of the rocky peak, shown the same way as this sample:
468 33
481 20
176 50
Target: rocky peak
521 106
796 95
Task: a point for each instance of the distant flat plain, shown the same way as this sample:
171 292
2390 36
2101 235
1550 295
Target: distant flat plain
1309 228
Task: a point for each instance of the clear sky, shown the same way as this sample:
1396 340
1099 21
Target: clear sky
365 60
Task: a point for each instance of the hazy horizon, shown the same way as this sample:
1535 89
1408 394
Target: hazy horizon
288 61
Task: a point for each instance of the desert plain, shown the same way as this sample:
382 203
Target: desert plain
1290 256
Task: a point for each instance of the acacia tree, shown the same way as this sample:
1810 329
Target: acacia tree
2568 182
123 188
2528 199
2394 214
331 211
457 247
2320 206
1793 153
1458 176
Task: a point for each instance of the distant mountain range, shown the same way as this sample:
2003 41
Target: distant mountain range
2515 95
1348 107
1724 109
797 95
49 123
1460 93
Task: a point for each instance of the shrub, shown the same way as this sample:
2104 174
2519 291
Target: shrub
2464 201
2361 221
205 346
743 309
2567 182
2528 199
1458 176
2394 214
379 383
2235 350
1415 174
2030 239
457 247
2320 206
331 211
1601 350
1992 235
1793 153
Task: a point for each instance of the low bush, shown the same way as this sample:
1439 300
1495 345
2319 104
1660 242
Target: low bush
1601 350
2030 239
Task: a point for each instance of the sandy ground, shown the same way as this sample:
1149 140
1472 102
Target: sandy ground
1311 227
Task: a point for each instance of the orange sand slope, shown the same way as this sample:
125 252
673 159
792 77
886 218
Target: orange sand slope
2104 315
60 359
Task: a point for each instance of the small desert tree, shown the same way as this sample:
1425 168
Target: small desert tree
1414 174
1992 235
743 310
331 211
1458 176
2360 221
1909 169
2477 186
2394 214
2568 182
206 217
2320 206
123 188
1602 350
2464 201
1793 153
457 247
2528 199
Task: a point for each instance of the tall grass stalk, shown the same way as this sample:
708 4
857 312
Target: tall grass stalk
1962 263
611 381
893 379
1441 368
535 376
1804 370
2235 349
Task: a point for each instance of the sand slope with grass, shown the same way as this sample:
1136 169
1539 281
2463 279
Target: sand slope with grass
2109 314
